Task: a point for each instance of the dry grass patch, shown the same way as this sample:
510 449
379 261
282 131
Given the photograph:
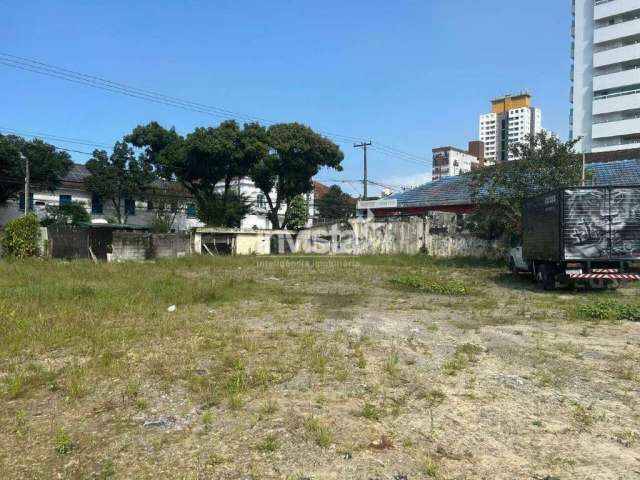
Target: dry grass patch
302 370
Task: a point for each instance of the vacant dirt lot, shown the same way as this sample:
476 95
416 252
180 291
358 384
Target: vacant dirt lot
306 368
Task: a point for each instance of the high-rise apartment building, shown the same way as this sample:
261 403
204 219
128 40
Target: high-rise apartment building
605 76
451 161
476 148
512 120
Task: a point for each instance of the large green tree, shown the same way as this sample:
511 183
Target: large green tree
119 177
296 155
546 163
47 165
336 204
202 160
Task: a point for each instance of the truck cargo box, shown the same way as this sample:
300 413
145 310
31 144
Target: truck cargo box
583 224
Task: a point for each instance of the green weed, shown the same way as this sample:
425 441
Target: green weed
270 443
371 411
62 442
431 285
317 432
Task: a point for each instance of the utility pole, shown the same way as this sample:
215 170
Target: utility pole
27 184
365 180
584 160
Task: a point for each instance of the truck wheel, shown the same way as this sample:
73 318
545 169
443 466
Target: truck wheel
538 275
546 277
549 278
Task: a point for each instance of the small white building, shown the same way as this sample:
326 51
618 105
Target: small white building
451 161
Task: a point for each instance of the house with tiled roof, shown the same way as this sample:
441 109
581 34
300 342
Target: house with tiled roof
456 194
141 211
161 195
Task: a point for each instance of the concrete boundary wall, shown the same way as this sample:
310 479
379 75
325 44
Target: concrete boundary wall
362 237
357 237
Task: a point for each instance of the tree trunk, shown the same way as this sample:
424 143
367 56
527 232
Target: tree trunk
116 207
227 186
273 212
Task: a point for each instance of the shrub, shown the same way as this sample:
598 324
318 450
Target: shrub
21 237
431 285
73 214
609 310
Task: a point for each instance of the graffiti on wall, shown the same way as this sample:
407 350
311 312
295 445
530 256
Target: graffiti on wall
602 223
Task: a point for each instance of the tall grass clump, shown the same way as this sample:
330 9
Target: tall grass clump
433 285
609 310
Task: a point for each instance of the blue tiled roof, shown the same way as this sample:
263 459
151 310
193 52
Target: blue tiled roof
451 191
446 191
621 173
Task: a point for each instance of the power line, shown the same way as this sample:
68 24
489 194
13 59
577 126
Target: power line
34 66
78 141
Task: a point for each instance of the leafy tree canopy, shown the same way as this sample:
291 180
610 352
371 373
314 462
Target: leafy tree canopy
47 165
281 160
73 214
297 213
118 177
216 211
163 148
336 204
297 153
202 160
546 163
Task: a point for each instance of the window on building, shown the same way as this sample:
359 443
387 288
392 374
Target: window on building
261 201
130 207
191 210
21 201
96 205
64 200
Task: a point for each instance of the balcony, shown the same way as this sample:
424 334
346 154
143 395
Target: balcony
616 55
615 146
616 128
616 80
619 30
604 9
618 102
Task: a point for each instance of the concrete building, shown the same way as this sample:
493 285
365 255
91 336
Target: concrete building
511 121
476 148
451 161
72 189
605 76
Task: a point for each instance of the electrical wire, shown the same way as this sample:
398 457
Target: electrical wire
78 141
34 66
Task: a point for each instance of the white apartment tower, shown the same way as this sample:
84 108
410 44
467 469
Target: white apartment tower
512 120
605 76
451 161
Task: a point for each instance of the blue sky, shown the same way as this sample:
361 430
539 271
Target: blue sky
413 75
